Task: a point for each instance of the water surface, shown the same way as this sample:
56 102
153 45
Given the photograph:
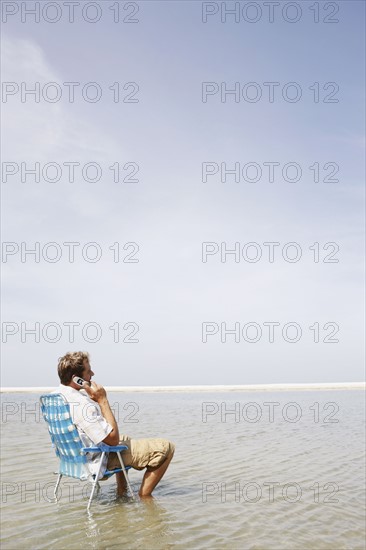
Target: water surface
251 471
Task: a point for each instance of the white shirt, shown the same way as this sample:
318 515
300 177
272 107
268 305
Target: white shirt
91 425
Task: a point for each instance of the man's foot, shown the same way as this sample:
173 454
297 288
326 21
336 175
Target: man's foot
146 497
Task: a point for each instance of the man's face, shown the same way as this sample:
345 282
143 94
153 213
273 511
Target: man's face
87 372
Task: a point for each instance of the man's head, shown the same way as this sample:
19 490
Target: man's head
74 364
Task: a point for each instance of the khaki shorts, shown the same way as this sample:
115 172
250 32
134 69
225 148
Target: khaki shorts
142 453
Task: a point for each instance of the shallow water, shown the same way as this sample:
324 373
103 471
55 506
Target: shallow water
245 479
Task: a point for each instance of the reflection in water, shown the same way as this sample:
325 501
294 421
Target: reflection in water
157 519
145 521
92 531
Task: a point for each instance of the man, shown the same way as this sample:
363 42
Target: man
95 421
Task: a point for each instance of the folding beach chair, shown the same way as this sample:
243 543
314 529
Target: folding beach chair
69 448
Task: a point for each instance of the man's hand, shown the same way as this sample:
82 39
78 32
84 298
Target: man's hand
95 391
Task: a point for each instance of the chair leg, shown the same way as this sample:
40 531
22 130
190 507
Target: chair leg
57 486
95 482
125 474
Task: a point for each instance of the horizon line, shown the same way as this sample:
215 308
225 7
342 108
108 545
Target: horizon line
206 388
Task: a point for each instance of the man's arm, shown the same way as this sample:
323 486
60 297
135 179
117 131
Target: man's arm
98 394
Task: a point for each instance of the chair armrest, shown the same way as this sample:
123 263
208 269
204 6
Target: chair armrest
103 447
117 448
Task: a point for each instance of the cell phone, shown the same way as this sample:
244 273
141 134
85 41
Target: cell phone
78 381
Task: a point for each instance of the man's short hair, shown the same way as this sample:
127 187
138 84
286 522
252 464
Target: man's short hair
72 364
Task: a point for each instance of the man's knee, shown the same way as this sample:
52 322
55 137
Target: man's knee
171 449
170 452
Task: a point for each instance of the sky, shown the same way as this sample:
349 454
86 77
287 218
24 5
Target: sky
153 292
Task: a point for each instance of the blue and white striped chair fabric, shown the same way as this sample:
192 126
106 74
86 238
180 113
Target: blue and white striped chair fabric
69 448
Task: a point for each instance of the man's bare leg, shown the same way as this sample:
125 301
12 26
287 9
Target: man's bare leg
152 477
121 484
